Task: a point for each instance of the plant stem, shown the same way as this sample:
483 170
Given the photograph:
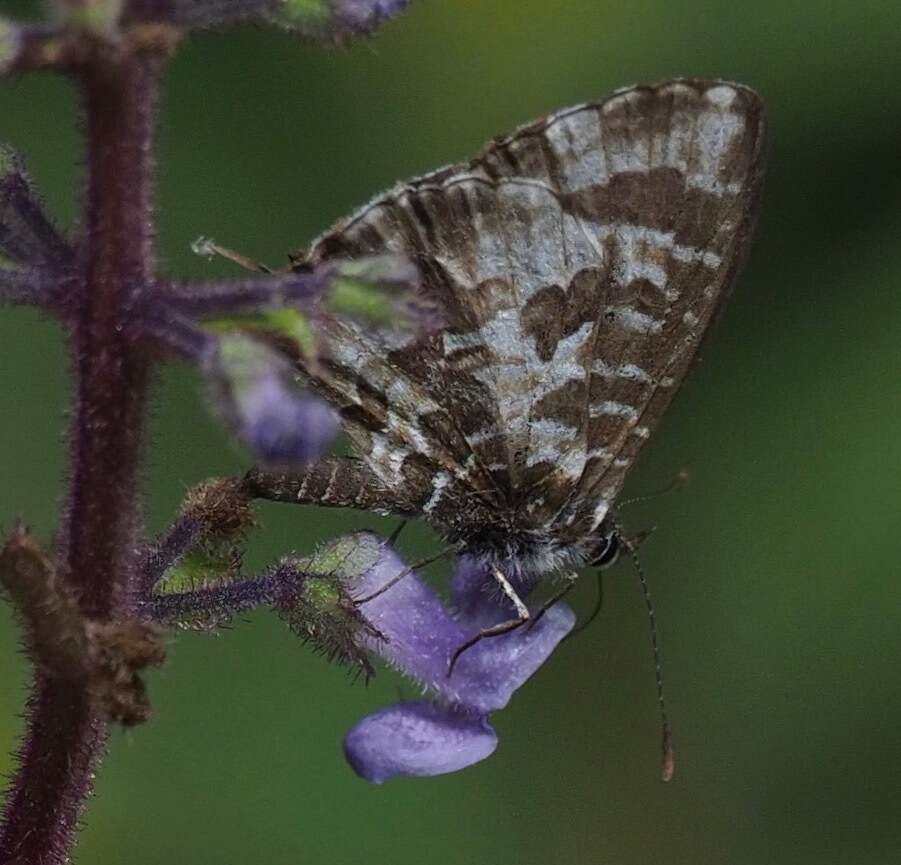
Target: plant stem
98 548
210 606
65 733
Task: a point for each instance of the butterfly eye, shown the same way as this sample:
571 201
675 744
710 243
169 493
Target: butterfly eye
607 551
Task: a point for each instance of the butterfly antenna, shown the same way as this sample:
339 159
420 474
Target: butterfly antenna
669 760
207 247
681 478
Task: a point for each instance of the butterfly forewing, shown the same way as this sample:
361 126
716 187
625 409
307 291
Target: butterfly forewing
578 262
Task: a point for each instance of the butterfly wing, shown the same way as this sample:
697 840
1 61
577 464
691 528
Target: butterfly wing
578 261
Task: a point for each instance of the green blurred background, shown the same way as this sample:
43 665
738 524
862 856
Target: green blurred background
775 571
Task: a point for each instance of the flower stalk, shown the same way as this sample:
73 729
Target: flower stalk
65 727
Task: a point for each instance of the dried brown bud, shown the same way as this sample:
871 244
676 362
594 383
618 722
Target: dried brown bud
117 652
106 656
222 506
54 629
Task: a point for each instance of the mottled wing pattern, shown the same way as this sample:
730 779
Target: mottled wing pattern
579 262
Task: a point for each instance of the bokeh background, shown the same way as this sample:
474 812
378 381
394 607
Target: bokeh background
775 572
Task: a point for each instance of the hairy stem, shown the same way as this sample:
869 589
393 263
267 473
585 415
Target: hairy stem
209 299
167 552
65 733
98 548
33 286
212 605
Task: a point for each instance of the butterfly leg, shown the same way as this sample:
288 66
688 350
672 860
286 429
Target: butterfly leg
338 482
522 612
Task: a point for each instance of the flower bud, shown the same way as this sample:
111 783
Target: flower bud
254 392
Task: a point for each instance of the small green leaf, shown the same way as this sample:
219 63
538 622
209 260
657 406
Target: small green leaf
359 299
285 321
368 288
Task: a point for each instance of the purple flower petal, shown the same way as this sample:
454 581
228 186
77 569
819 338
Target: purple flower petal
417 739
477 597
422 635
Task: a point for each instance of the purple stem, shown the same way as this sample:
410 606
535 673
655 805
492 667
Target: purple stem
169 549
267 291
26 233
34 286
63 739
173 330
65 733
220 602
102 519
213 13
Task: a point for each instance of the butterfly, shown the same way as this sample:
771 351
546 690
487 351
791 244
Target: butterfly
578 264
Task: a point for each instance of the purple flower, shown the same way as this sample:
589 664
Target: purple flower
256 396
451 731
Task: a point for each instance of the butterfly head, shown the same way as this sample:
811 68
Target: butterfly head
606 549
